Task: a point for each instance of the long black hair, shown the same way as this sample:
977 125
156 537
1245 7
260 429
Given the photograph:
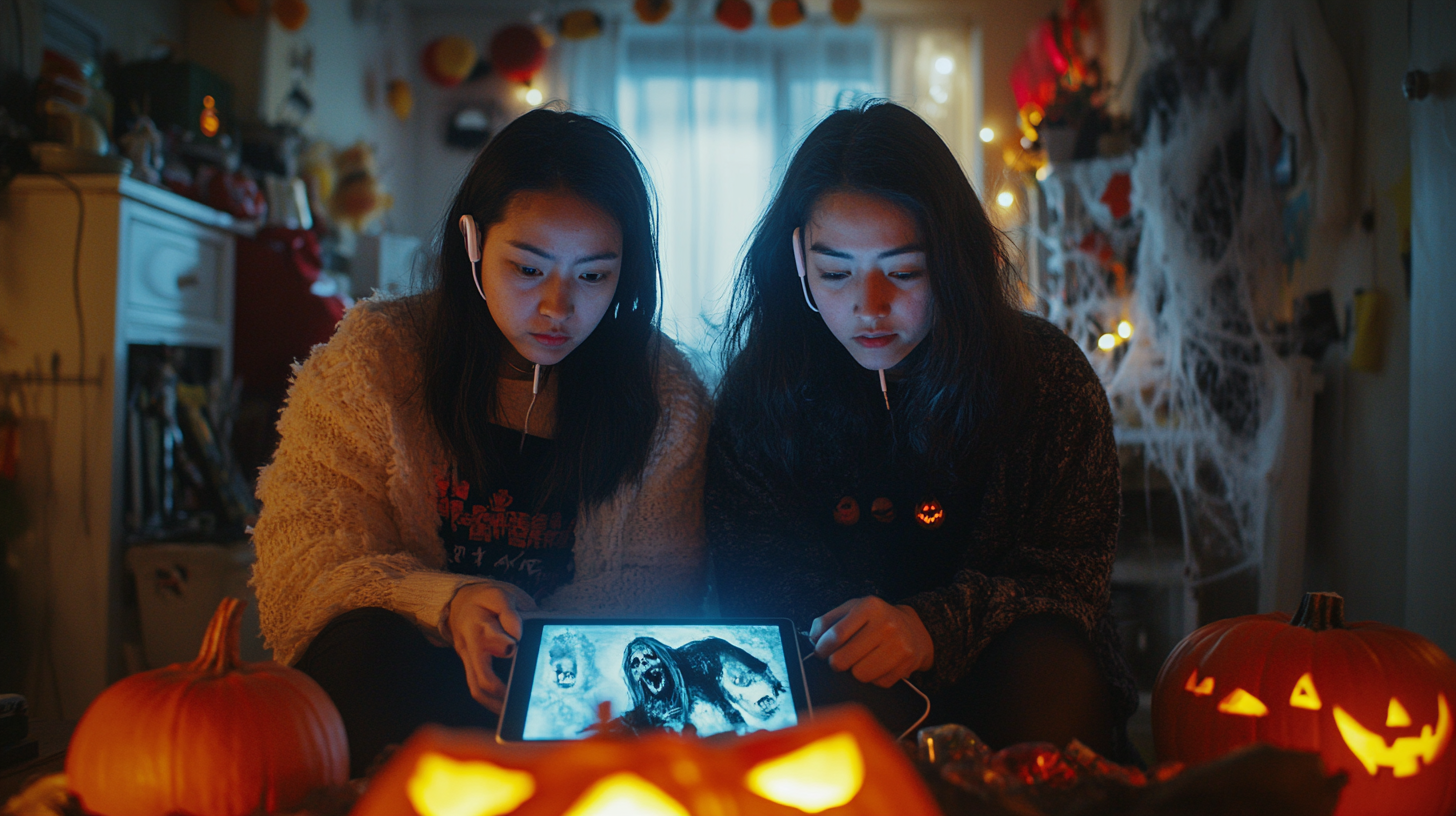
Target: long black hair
606 402
788 384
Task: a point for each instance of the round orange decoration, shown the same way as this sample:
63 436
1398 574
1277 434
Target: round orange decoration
785 13
883 510
735 14
845 12
401 98
215 736
291 14
847 511
582 24
449 60
243 8
652 11
929 514
1373 701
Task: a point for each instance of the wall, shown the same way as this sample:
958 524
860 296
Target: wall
1357 531
135 27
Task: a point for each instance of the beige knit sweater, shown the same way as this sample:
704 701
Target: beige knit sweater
348 504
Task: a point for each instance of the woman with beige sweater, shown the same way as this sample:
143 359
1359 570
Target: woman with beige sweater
520 437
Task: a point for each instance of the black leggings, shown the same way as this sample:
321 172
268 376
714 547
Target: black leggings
1036 682
387 679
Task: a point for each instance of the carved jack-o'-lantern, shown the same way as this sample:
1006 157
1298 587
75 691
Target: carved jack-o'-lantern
929 514
883 510
847 512
841 763
1373 700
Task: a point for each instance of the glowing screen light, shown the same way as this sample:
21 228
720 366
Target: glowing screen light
1106 342
944 65
625 794
824 774
987 135
1124 329
1005 199
442 786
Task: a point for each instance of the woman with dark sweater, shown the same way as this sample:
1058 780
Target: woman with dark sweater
921 477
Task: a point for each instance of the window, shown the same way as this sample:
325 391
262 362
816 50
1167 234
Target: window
715 115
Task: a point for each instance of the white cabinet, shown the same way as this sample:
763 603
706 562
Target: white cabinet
154 268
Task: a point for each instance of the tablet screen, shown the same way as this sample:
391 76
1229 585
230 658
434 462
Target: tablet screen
713 676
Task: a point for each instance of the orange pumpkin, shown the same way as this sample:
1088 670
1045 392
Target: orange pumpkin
215 736
1373 700
840 763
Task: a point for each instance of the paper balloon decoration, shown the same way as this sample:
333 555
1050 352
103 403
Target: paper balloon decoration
582 24
785 13
845 12
652 11
401 98
841 762
517 53
291 14
735 14
1373 700
243 8
448 60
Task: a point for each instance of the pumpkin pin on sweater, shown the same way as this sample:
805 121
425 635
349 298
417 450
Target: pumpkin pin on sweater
1373 700
215 736
847 512
929 513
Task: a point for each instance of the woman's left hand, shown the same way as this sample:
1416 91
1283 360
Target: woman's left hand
873 640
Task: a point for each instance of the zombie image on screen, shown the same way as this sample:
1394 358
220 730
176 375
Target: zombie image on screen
707 679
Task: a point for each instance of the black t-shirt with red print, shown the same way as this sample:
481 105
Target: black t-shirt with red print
500 528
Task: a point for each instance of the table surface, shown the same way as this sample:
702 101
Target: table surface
54 735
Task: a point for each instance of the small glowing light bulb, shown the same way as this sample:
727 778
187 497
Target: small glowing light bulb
1124 329
945 65
987 134
1043 172
1106 342
533 97
1005 199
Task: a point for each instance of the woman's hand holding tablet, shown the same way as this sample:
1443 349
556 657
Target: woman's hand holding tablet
876 642
484 623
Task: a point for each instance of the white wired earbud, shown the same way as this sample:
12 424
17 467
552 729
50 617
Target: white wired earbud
535 389
472 249
799 264
804 286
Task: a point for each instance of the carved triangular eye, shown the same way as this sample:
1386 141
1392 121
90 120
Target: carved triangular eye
1201 688
1396 716
442 786
1243 704
625 793
1304 695
824 774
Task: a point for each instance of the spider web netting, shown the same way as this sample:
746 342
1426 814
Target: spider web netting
1186 256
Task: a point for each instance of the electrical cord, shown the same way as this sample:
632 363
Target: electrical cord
923 716
85 493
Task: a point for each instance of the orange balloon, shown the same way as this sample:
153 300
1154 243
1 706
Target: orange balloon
845 12
785 13
291 14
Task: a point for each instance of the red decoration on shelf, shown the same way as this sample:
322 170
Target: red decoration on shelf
735 14
1117 195
517 52
1373 701
785 13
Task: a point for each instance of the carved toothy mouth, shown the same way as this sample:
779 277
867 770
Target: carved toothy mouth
1401 755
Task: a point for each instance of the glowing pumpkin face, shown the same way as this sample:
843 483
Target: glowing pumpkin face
929 514
1372 700
840 762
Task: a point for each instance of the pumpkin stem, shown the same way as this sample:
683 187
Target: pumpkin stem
219 652
1320 611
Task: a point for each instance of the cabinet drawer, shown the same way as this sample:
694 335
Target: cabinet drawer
173 267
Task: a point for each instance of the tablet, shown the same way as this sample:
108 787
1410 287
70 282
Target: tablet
710 676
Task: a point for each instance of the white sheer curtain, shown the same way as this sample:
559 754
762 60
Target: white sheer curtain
715 115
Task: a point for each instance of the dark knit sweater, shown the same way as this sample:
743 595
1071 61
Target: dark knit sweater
1027 529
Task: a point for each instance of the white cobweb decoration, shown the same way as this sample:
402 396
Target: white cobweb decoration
1197 384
